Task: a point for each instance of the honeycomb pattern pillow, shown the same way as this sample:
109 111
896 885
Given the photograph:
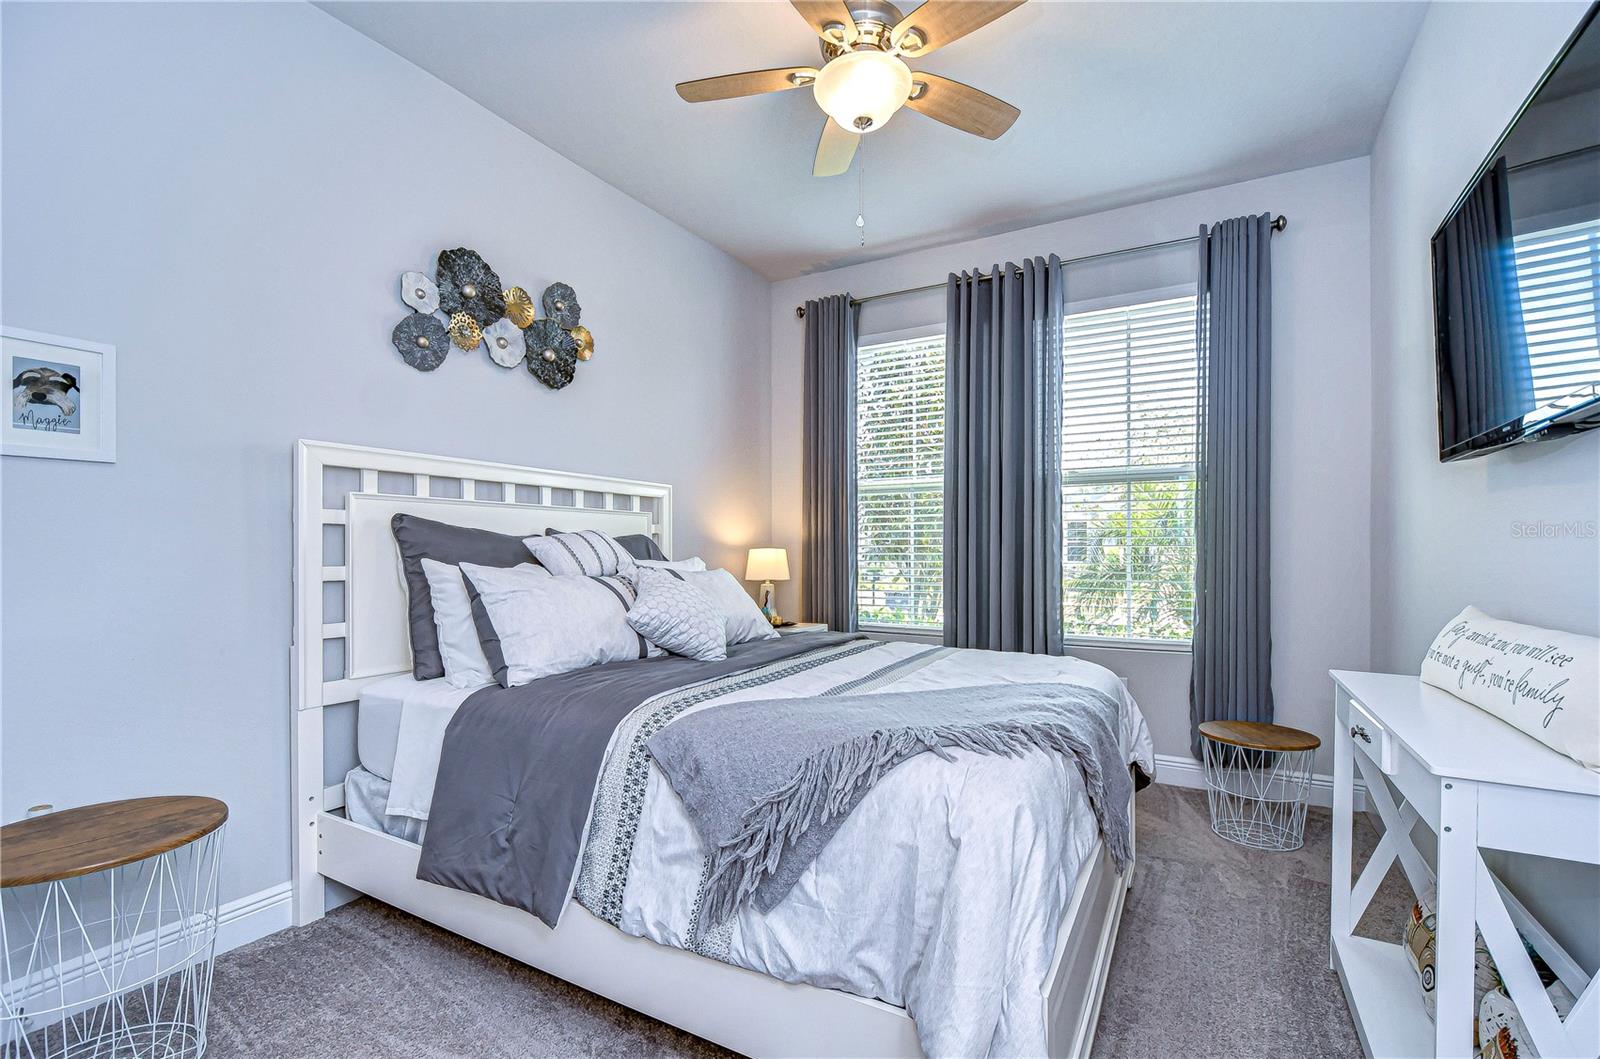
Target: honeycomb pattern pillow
678 617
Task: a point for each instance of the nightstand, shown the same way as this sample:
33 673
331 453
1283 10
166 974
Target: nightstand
801 626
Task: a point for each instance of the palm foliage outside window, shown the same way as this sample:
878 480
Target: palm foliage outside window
1128 469
1128 455
900 492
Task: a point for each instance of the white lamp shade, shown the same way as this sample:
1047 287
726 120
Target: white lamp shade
860 90
767 564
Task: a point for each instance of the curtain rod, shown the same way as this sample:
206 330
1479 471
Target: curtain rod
1279 223
1576 152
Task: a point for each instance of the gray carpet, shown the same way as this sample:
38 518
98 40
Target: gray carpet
1222 952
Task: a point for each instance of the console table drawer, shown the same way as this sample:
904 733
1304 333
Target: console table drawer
1371 737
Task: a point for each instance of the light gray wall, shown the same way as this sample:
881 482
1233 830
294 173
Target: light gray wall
1446 535
228 194
1321 407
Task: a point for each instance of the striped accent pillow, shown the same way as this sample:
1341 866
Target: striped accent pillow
586 553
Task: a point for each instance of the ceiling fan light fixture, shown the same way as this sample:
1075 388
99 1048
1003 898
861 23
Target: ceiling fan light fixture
861 90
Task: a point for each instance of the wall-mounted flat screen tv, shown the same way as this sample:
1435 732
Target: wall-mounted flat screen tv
1516 272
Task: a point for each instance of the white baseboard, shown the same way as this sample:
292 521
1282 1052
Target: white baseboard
1180 770
255 916
239 922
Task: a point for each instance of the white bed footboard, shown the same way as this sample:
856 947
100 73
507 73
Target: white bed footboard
739 1009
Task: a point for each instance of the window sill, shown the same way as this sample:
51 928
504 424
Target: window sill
905 632
1117 643
1098 643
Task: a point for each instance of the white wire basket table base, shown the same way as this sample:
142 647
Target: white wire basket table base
115 964
1257 794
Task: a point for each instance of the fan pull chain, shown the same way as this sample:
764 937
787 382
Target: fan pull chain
861 190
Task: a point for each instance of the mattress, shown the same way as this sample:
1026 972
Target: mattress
399 719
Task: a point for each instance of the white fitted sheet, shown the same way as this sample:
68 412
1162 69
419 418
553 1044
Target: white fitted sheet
400 723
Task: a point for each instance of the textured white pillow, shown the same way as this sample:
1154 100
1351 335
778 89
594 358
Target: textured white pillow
673 614
545 625
1542 681
744 619
462 654
692 563
587 553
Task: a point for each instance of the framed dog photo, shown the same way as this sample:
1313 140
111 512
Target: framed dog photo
63 397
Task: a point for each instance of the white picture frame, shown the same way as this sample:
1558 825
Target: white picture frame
63 397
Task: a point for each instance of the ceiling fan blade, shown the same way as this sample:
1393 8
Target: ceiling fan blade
961 106
750 83
821 14
938 22
835 150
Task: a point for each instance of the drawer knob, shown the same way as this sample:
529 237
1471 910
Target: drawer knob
1359 731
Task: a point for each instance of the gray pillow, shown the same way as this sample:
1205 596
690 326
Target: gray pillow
673 614
421 538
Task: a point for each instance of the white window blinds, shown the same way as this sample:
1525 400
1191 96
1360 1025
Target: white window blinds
900 475
1128 457
1558 275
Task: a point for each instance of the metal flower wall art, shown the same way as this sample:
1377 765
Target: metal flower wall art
463 305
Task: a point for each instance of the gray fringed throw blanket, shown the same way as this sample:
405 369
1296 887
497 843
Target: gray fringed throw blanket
768 783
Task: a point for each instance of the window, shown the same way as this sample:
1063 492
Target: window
1077 543
900 474
1128 458
1558 276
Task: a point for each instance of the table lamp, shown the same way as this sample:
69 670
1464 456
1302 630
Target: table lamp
767 565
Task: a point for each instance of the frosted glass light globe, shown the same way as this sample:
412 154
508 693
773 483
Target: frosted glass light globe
860 90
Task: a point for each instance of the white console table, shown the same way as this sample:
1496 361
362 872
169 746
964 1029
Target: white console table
1480 785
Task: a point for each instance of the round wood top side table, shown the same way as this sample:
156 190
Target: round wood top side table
1258 780
108 924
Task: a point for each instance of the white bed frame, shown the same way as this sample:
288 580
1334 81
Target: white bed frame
343 540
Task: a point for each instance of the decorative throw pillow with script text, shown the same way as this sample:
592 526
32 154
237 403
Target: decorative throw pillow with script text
1541 681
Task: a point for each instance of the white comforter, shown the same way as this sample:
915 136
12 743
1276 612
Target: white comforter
945 889
943 892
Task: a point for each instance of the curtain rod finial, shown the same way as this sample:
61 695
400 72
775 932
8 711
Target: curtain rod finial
1279 223
799 312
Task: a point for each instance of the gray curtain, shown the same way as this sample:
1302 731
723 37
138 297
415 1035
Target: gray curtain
1485 377
1232 674
1002 458
828 550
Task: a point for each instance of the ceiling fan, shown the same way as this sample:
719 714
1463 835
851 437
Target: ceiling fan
864 78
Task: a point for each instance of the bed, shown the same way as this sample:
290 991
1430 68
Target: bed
918 863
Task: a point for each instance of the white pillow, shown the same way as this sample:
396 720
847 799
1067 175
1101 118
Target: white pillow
744 619
1541 681
694 563
542 625
674 614
464 663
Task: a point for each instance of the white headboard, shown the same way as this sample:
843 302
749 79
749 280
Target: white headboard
350 600
349 597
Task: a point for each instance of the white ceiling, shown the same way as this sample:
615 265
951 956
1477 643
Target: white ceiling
1121 103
